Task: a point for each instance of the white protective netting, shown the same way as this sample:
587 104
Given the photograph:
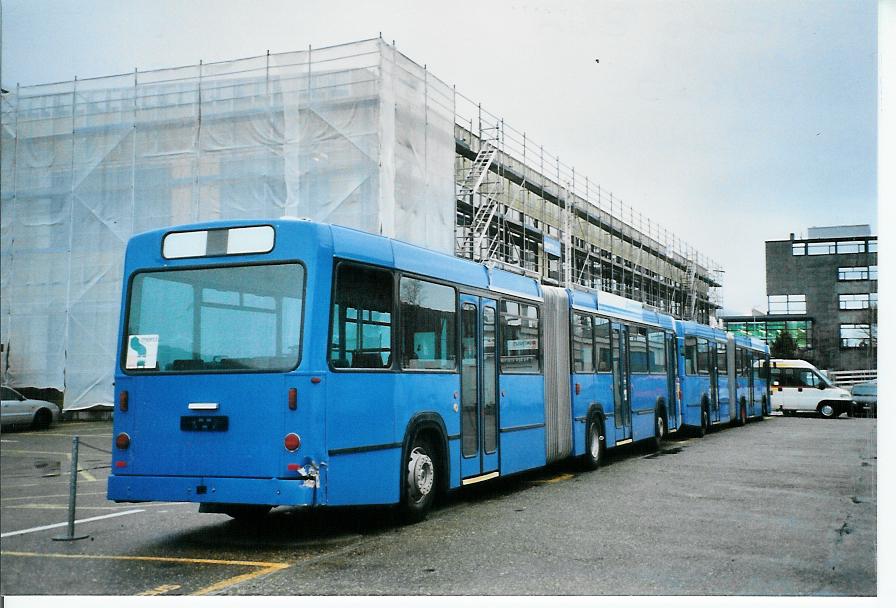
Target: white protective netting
355 134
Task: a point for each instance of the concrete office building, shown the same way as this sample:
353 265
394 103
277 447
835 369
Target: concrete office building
822 289
354 134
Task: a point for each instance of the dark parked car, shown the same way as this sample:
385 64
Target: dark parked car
864 398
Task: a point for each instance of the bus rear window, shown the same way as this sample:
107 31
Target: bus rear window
217 319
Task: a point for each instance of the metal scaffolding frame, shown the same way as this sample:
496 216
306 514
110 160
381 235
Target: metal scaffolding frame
542 202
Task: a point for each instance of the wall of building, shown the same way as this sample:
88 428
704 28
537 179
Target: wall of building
816 276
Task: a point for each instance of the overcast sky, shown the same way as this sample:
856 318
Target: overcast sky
730 123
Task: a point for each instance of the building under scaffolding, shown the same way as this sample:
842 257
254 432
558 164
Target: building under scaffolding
356 134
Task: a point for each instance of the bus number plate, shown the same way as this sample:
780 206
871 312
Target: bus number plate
203 423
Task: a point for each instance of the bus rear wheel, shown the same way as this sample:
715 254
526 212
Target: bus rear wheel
420 481
704 423
659 430
594 444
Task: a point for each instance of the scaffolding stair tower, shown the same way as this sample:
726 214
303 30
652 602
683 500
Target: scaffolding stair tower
690 290
483 192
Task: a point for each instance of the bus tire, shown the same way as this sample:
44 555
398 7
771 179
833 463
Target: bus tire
595 444
420 480
701 430
659 430
828 410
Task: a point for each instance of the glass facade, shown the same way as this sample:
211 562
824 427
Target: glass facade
800 330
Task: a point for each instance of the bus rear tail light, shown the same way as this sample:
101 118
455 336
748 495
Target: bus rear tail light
293 398
292 442
123 441
123 401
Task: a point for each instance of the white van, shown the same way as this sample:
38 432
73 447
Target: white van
798 386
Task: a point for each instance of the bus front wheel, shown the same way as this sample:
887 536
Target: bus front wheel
419 481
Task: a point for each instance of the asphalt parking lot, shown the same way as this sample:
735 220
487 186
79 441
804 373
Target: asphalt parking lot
784 506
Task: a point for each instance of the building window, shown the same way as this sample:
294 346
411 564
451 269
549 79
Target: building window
857 273
768 331
790 304
872 246
798 249
857 335
851 247
825 248
857 301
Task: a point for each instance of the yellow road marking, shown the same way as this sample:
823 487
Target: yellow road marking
50 506
160 590
263 567
69 435
561 477
6 500
29 452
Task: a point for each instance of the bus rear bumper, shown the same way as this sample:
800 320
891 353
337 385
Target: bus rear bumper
230 490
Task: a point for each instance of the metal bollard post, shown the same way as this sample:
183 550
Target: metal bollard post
72 494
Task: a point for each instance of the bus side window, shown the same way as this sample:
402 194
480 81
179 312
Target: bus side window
520 346
637 350
722 357
602 345
428 321
361 324
656 345
702 357
690 356
582 344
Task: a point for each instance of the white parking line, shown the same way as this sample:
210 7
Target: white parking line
65 523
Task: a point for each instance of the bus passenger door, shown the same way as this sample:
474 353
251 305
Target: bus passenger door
748 370
673 411
479 410
715 414
622 407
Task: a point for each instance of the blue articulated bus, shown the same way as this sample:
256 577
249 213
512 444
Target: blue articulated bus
286 362
748 357
718 381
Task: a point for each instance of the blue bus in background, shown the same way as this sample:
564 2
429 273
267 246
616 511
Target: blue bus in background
722 378
287 362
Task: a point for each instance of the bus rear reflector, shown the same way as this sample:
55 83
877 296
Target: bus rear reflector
123 401
293 398
292 442
123 441
120 464
293 467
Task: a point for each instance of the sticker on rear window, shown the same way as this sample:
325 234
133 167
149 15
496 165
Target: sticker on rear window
142 352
